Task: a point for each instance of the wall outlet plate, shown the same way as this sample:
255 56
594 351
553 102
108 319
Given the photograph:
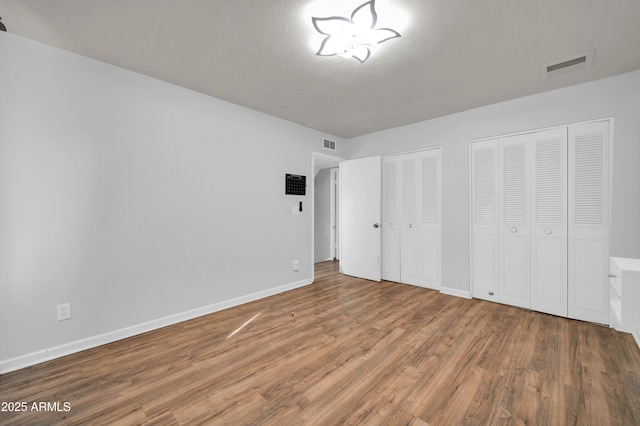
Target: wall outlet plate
64 311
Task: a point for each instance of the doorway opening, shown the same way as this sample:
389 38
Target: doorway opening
325 205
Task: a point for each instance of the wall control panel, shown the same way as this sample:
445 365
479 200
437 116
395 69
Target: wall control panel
295 184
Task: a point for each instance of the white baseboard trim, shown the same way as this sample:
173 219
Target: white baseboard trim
455 292
636 336
48 354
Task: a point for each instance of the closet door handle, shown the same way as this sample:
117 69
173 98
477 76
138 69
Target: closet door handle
375 225
409 225
548 231
390 225
514 229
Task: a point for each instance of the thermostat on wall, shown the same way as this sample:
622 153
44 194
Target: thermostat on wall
295 184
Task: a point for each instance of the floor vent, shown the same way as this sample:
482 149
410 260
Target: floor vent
329 144
572 63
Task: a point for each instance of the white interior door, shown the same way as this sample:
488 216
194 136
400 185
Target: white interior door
360 214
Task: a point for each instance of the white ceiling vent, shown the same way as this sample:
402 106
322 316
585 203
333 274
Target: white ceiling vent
572 63
329 144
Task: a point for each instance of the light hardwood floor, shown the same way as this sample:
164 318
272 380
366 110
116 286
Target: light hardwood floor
346 351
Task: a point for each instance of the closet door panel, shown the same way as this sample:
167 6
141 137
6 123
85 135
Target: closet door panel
549 228
430 226
484 212
514 221
588 221
390 219
410 231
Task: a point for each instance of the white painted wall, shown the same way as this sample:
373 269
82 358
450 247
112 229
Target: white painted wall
140 202
612 97
143 203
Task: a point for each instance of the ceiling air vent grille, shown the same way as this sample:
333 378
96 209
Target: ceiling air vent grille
329 144
573 63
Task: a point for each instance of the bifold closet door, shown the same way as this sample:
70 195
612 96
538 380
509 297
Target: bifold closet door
514 201
588 221
549 227
540 219
411 222
484 212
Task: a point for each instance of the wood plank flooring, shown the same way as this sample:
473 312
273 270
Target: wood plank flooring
346 351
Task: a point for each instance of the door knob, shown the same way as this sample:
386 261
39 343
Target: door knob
375 225
408 225
390 225
548 231
514 229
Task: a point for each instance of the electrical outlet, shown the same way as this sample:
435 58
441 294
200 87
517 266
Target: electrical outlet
64 311
295 265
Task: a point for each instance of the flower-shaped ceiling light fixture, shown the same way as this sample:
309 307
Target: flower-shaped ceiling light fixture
351 38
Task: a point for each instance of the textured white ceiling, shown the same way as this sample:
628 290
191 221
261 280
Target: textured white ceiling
453 55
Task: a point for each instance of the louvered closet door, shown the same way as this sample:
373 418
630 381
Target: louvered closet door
411 226
549 226
484 211
409 219
391 219
514 262
588 221
430 221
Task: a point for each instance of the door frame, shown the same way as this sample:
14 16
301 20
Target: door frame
334 225
319 161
